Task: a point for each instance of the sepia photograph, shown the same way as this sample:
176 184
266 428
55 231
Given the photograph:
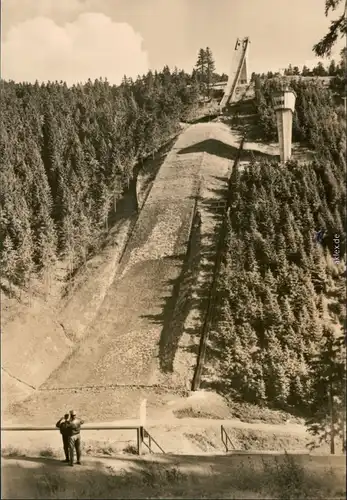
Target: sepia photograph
173 249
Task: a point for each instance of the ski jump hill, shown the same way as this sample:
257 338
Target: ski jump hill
121 346
132 345
131 342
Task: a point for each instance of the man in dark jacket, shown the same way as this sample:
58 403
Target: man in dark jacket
75 437
63 426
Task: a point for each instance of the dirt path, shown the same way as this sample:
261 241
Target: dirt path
174 435
230 476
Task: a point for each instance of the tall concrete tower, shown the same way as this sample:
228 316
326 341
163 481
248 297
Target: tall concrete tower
239 72
284 105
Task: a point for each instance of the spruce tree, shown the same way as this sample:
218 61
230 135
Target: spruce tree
276 377
201 67
210 68
9 261
328 370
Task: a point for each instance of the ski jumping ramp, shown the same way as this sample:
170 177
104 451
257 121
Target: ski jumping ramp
239 72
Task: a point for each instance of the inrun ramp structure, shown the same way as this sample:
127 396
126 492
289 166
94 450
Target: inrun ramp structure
238 73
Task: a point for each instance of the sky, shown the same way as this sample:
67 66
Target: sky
73 40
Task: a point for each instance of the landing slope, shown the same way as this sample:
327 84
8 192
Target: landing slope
128 350
121 346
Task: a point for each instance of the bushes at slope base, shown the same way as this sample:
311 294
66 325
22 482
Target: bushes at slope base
66 152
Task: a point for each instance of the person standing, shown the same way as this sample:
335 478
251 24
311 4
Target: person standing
75 437
63 426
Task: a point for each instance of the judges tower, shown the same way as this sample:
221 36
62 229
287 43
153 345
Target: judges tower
284 105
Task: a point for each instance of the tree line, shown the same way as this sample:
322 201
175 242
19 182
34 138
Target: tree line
335 70
68 153
279 282
332 69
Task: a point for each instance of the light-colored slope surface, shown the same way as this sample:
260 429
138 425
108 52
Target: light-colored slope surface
12 389
80 306
121 347
49 318
123 343
33 334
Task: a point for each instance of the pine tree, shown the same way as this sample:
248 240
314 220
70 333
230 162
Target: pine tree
210 68
280 257
332 68
243 374
328 370
319 70
289 71
40 202
277 380
8 261
318 272
287 314
338 28
25 264
226 333
234 185
201 68
305 71
272 312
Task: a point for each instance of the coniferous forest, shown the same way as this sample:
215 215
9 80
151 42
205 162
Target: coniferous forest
66 151
281 292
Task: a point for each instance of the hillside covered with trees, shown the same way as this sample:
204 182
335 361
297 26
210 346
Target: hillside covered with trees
281 291
68 153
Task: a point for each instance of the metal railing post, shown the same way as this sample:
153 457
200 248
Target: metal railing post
140 437
224 438
138 441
